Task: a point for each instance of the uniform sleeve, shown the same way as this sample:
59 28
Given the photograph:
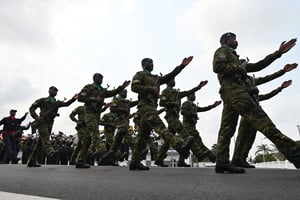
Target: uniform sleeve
33 107
73 114
164 79
203 109
254 67
137 85
269 95
223 65
261 80
83 95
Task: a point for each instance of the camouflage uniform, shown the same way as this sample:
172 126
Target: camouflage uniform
246 132
45 127
189 112
144 83
88 96
237 101
120 107
170 99
108 120
80 127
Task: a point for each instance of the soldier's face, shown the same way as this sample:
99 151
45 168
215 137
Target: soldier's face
52 92
171 83
123 94
98 80
192 97
148 65
232 42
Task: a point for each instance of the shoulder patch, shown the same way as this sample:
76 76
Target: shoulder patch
221 55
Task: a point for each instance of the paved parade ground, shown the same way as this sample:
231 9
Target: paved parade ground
105 182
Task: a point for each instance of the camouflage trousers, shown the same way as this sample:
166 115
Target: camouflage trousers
109 138
81 134
238 102
149 121
122 126
174 126
43 142
92 142
198 147
244 141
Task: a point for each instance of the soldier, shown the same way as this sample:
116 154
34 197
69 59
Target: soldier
108 121
189 112
80 128
44 122
120 106
237 101
11 125
147 86
93 95
170 99
246 133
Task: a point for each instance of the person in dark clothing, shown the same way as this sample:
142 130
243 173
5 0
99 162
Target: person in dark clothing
10 125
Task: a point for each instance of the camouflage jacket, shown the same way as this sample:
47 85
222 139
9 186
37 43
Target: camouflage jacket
121 107
229 68
189 111
147 85
170 99
91 92
80 113
48 107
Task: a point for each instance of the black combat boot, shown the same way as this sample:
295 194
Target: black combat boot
294 157
186 146
242 163
212 157
228 167
136 165
203 155
182 164
33 163
123 155
160 163
108 159
80 164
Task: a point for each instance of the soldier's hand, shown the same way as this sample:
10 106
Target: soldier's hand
125 84
286 84
186 61
217 103
286 46
75 96
290 67
98 99
202 83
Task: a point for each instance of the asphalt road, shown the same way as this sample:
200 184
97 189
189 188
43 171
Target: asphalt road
66 182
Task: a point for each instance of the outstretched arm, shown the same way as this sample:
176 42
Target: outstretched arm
198 87
286 68
283 48
271 94
164 79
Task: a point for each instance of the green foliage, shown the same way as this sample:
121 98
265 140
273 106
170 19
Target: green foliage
264 158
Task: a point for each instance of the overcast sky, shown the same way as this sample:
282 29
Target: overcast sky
64 42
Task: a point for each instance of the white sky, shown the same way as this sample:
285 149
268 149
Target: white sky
64 42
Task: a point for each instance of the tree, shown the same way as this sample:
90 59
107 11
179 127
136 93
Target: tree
264 148
264 154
